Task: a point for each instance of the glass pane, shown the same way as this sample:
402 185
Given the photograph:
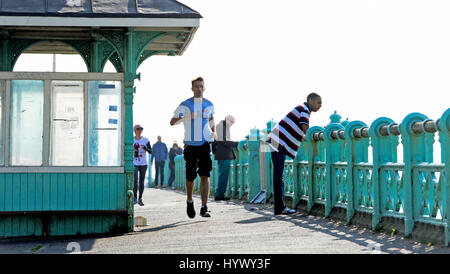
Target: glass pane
104 123
2 123
27 104
66 147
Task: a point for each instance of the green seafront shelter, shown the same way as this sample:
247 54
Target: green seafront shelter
66 138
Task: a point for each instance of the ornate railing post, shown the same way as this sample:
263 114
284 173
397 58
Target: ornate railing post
384 150
254 184
414 152
268 168
229 191
298 189
242 161
356 151
235 188
444 139
334 153
314 153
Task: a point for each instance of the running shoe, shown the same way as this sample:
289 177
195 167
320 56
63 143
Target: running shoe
190 210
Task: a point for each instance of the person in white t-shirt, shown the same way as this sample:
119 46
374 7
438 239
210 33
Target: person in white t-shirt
141 147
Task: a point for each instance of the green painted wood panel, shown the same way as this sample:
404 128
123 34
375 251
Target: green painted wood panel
54 191
91 192
23 191
39 192
31 189
8 192
16 191
2 190
61 191
83 191
76 191
61 186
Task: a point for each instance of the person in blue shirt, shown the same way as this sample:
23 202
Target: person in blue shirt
160 154
196 113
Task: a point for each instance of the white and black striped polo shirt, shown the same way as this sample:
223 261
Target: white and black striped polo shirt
287 134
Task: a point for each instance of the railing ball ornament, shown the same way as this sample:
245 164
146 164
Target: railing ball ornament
365 132
394 129
362 132
341 134
316 136
430 126
389 129
417 127
357 133
425 126
334 134
384 131
321 136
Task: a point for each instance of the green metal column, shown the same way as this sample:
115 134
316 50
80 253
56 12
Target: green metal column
96 57
130 74
5 63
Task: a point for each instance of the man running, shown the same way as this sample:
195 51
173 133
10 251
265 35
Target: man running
284 139
196 113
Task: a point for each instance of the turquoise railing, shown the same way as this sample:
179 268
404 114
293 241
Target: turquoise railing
334 170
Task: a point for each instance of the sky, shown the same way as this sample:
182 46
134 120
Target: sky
260 59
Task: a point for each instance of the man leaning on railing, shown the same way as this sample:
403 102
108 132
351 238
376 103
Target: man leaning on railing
284 139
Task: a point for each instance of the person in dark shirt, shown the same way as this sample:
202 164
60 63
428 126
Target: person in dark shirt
175 150
224 154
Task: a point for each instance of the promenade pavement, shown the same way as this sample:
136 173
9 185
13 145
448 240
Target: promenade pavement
235 227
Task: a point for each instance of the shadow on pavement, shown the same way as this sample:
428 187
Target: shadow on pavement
365 238
177 224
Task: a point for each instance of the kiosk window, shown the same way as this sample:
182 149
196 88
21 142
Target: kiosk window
67 133
104 123
26 122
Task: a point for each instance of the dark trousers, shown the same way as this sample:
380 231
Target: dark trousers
159 166
139 176
224 171
172 175
278 159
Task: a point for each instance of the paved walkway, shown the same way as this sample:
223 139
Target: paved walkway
235 227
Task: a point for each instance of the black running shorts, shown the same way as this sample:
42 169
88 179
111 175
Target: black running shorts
198 161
